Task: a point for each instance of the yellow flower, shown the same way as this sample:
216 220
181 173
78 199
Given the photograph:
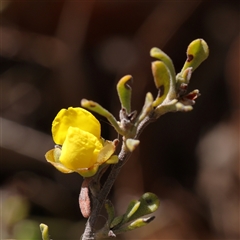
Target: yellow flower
80 147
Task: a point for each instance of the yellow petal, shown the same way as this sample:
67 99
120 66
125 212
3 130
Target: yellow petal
74 117
112 160
50 158
106 152
88 172
80 149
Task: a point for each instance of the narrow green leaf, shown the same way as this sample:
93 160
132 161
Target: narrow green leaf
121 220
110 211
162 80
147 107
159 54
197 52
132 208
116 221
149 203
140 222
162 72
44 231
125 92
95 107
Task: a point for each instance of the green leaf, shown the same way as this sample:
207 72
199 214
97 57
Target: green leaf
95 107
110 211
161 74
140 222
162 80
149 203
120 220
44 230
159 54
116 221
132 208
164 75
125 92
147 107
197 52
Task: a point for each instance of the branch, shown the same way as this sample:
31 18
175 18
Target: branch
102 196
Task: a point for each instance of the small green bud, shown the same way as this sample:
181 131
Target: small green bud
183 108
150 202
132 144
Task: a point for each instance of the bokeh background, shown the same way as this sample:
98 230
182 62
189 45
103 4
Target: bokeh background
54 53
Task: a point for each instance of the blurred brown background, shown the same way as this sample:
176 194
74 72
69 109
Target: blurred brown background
54 53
